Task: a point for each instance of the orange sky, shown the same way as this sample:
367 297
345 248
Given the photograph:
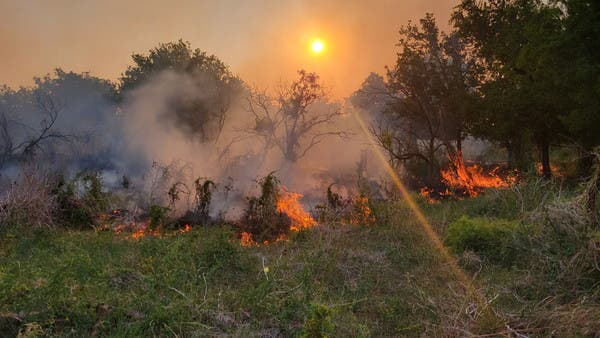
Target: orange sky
262 41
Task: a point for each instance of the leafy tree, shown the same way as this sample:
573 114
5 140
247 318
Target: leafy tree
203 115
429 98
518 41
581 48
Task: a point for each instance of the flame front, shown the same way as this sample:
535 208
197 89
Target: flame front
288 204
471 180
361 212
137 230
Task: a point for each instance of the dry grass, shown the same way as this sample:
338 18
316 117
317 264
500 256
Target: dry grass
28 201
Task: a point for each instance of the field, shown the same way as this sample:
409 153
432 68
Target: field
526 273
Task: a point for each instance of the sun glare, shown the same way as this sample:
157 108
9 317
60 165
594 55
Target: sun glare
317 46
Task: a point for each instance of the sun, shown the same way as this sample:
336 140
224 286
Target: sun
317 46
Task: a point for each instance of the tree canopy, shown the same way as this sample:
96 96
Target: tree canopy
201 114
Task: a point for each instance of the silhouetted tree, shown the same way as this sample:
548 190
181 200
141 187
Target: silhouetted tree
296 119
64 106
523 96
428 98
203 115
580 47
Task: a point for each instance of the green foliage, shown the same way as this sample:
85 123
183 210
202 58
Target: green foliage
70 212
261 218
221 253
158 216
432 99
200 116
391 282
541 67
492 238
319 322
175 191
94 197
80 200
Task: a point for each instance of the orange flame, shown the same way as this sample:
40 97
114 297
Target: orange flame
555 170
361 212
288 204
247 240
137 230
471 179
185 229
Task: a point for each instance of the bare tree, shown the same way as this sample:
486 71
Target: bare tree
32 138
296 119
6 141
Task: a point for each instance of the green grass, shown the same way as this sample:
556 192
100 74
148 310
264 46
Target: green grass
345 281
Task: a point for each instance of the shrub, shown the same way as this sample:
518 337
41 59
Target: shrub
495 239
262 219
27 202
158 216
80 200
94 197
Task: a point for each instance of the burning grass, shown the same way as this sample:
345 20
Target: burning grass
288 209
461 180
288 203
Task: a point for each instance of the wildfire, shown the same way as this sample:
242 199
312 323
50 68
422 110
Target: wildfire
554 169
247 239
138 229
361 212
469 180
288 204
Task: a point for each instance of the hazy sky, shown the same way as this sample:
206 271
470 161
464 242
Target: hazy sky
262 41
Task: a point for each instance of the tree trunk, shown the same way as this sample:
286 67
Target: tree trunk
544 149
516 153
585 163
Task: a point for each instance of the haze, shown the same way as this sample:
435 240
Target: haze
262 41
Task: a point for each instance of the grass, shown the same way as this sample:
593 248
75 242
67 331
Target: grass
337 280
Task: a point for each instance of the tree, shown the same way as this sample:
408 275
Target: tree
64 106
581 48
429 91
518 40
296 119
203 115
